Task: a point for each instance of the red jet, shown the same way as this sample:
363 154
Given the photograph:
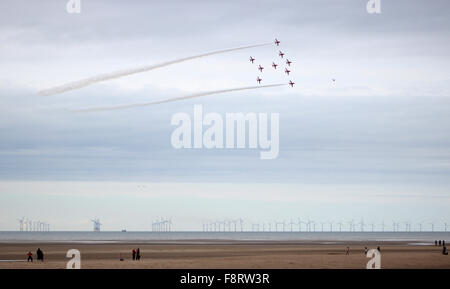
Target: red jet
260 68
288 62
281 54
277 42
252 59
287 71
258 80
291 83
274 65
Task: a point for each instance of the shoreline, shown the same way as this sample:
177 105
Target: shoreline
219 242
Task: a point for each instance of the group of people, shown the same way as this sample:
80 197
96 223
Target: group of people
441 243
136 254
39 255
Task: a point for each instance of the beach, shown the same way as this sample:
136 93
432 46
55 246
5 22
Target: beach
225 254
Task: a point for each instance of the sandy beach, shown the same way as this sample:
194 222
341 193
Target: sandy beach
227 254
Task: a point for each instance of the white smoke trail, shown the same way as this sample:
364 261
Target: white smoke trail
125 106
117 74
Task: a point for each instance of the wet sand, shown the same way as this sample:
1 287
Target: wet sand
226 254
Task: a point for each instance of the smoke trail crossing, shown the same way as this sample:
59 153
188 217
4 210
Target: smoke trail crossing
176 98
117 74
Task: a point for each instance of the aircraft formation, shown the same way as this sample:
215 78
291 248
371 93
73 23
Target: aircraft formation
275 65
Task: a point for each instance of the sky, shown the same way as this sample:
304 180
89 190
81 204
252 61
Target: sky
373 145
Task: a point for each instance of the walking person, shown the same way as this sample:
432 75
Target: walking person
30 257
133 253
138 254
365 251
40 255
347 251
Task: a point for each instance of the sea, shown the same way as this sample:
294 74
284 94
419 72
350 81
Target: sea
417 238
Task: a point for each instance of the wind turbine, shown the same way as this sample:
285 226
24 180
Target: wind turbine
308 225
407 226
394 226
314 225
351 225
96 225
340 226
229 223
299 224
331 226
372 225
170 224
291 223
432 226
362 225
322 223
21 224
382 226
445 227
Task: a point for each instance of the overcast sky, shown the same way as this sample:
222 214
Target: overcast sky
374 144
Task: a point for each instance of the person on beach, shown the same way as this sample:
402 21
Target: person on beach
40 255
435 242
443 242
134 254
365 251
138 254
379 249
439 242
347 251
444 251
30 257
